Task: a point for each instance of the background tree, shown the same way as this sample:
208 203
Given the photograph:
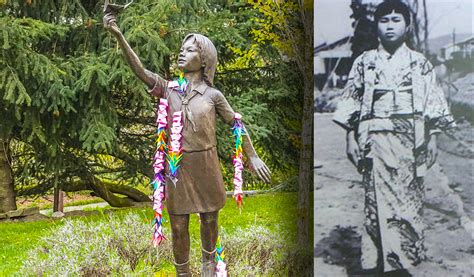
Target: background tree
365 33
288 26
7 190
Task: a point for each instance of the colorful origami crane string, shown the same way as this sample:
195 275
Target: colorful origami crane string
175 153
183 83
159 189
238 132
220 264
172 153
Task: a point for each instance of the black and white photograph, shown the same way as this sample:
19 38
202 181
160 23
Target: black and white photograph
393 137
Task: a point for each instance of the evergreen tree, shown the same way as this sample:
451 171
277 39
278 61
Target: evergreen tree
288 26
75 116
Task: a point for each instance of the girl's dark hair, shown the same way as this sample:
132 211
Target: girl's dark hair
389 6
208 56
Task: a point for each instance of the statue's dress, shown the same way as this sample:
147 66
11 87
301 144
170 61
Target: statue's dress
200 187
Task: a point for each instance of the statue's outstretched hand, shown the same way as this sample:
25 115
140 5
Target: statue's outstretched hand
260 168
110 23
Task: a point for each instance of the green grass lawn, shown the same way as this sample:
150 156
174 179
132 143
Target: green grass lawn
274 211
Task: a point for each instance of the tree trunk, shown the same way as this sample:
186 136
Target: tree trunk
305 169
104 189
305 179
101 189
58 202
130 192
7 189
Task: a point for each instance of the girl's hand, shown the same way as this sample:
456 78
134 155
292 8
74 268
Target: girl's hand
432 151
110 23
260 168
352 149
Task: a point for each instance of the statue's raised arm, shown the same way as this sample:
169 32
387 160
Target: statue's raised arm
151 79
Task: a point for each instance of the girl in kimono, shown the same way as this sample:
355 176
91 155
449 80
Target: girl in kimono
392 110
199 187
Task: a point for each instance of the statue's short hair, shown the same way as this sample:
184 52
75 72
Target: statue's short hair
208 55
388 6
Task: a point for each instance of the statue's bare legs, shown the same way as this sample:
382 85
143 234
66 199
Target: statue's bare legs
181 242
180 233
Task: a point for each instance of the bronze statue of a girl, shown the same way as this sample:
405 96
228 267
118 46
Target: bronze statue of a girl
200 187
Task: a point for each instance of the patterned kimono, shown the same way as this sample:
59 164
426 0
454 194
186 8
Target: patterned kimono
393 104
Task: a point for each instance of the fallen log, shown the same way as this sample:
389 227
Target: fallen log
104 189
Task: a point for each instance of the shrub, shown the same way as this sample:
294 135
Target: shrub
99 248
121 246
253 251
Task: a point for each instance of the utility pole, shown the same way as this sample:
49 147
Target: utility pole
451 67
425 15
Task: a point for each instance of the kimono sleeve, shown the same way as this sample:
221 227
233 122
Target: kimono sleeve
436 110
224 110
348 109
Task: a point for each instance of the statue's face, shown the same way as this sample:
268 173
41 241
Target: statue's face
189 59
392 28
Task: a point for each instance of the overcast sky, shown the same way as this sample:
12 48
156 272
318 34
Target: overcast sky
332 22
